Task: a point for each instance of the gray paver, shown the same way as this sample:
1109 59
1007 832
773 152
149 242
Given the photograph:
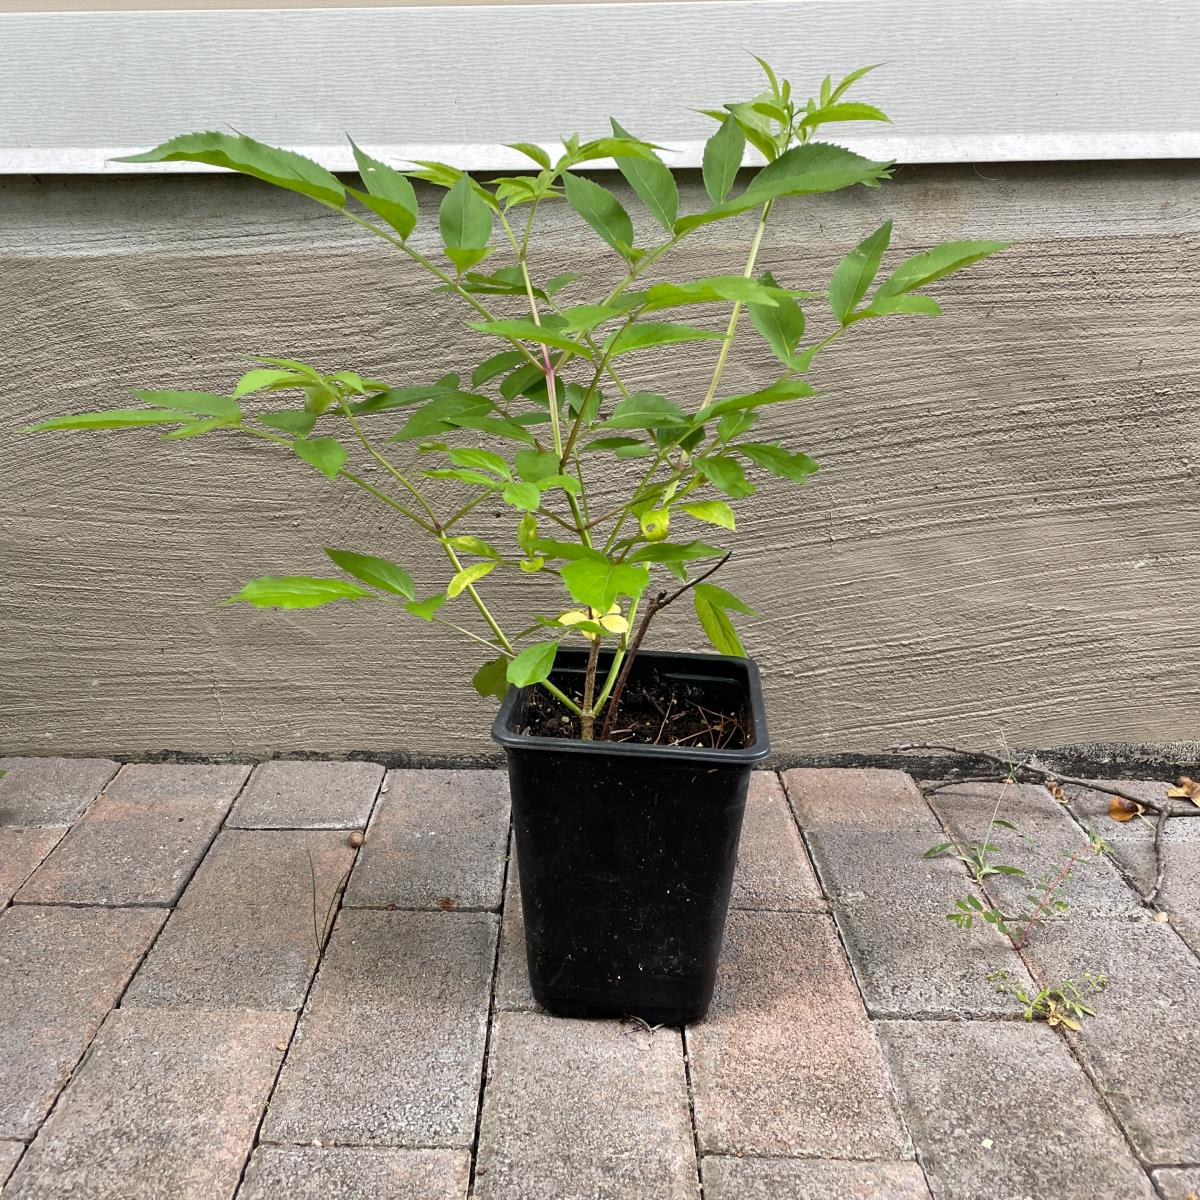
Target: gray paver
50 791
307 795
584 1110
1000 1108
786 1063
355 1173
10 1152
773 871
437 839
139 842
61 970
390 1047
512 970
868 831
21 850
1178 1183
1095 885
165 1105
1143 1044
790 1179
243 933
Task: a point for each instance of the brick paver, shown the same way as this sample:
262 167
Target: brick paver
437 839
791 1179
595 1109
773 871
61 970
512 969
1143 1044
50 791
308 795
766 1082
165 1106
390 1047
140 842
21 850
244 933
868 831
1095 885
355 1173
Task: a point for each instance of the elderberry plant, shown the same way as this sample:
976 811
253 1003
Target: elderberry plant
534 425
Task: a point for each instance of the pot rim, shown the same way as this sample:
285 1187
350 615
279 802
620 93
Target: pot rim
742 670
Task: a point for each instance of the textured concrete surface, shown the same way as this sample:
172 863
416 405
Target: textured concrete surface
21 850
390 1047
358 1173
139 1122
308 795
244 934
61 970
419 1068
1005 533
140 842
1178 1183
50 791
9 1153
868 831
1002 1109
764 1084
584 1110
1143 1045
436 841
775 1179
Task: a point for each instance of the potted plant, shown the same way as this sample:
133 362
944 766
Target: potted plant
628 768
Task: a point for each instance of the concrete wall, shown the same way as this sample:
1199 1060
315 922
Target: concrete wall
1005 537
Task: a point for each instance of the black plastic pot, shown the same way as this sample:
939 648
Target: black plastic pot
626 852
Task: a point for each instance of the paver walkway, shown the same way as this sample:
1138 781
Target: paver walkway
213 985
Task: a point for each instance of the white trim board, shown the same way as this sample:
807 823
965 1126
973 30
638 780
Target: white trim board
1010 80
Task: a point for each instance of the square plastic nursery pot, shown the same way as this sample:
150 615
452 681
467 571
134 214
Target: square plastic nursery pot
626 852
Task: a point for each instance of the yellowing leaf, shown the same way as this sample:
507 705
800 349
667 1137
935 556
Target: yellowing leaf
1185 789
468 576
1124 810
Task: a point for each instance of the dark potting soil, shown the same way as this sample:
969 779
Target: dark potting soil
655 711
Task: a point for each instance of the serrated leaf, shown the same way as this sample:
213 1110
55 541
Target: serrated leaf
583 318
296 591
602 211
467 576
777 393
726 475
498 364
645 334
444 412
426 608
778 461
116 418
856 272
532 665
196 404
381 573
296 422
522 327
534 152
723 154
597 581
465 223
714 620
524 496
653 182
911 303
390 192
936 264
492 678
674 552
470 456
781 323
712 289
645 410
328 455
713 512
283 168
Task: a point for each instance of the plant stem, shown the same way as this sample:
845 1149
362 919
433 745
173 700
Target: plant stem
587 718
505 644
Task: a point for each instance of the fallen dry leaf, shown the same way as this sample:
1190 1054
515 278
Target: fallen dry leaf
447 904
1056 790
1185 789
1124 810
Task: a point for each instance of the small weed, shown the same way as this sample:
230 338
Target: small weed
1063 1003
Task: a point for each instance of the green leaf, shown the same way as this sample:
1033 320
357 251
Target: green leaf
712 289
403 397
886 306
726 475
381 573
469 544
856 272
283 168
469 456
722 157
465 222
197 429
427 607
677 552
466 475
197 404
536 153
498 364
734 423
645 410
391 193
653 182
843 112
262 378
597 581
849 81
779 461
524 496
533 465
568 550
298 422
711 604
718 595
532 665
602 211
492 678
782 324
441 414
643 335
296 591
328 455
560 281
114 418
714 512
583 318
618 444
935 264
777 393
522 327
467 576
